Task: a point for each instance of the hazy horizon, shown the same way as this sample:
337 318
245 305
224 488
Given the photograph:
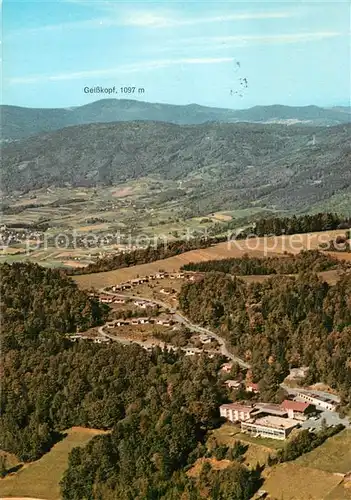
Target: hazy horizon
343 105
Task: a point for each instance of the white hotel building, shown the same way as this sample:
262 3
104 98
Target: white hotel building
269 427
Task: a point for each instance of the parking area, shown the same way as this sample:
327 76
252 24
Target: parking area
331 418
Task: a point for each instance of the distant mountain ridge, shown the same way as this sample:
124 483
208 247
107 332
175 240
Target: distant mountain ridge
20 122
274 166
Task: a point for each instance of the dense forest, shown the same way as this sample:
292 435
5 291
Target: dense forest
37 302
309 260
301 224
157 406
265 226
280 323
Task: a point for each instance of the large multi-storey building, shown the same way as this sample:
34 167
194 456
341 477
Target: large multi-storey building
236 412
269 427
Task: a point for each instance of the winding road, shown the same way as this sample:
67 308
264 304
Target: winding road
180 319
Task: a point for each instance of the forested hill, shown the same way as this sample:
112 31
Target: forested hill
19 122
280 323
158 406
38 303
311 260
271 165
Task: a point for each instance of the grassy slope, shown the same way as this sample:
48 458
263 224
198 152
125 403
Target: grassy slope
256 247
315 475
332 456
41 479
290 481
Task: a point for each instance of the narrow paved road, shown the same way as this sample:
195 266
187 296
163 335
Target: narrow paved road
143 344
181 319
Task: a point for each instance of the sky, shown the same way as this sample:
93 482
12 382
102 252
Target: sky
215 53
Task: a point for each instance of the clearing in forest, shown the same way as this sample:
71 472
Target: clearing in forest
40 479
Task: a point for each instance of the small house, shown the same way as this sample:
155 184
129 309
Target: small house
144 321
105 299
233 384
119 300
121 322
226 367
252 387
101 340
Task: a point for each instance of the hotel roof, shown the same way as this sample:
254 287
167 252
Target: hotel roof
295 405
271 408
275 422
238 407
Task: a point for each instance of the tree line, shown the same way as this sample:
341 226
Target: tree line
308 223
313 260
265 226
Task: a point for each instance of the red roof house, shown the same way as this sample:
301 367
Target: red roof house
297 409
252 387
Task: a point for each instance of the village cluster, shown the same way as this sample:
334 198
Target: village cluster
162 319
127 285
267 420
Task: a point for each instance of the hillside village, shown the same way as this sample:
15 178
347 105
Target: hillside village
303 408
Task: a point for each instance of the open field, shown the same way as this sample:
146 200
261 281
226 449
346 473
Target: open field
136 212
147 206
152 290
257 247
142 333
318 475
257 452
228 433
290 481
332 456
41 479
340 492
216 465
